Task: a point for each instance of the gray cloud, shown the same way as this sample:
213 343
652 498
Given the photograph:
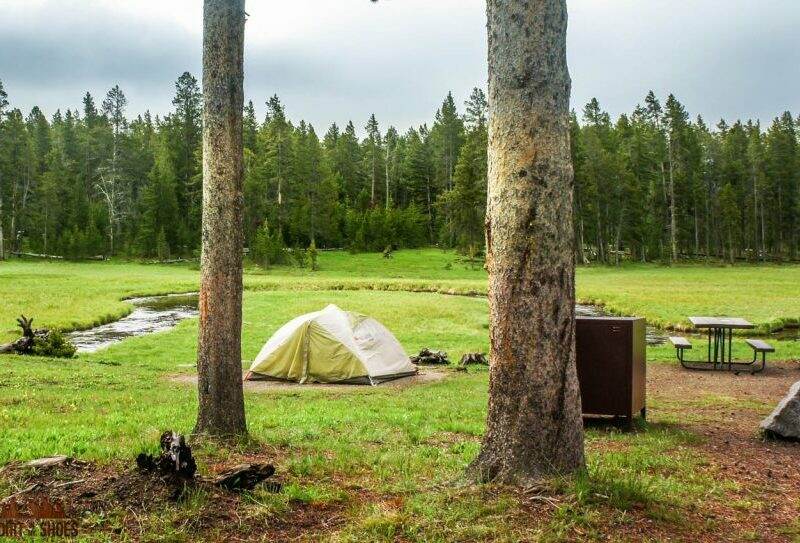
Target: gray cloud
344 59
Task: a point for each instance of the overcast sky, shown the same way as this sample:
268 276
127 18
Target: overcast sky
334 60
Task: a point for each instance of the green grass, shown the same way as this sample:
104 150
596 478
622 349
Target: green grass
767 296
79 295
392 459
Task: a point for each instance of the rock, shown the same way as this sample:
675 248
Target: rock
784 422
49 461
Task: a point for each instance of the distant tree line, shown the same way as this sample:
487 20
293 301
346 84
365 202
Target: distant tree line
653 185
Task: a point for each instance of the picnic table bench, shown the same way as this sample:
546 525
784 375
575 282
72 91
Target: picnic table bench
720 343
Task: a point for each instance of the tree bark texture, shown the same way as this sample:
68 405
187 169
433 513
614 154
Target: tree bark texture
534 427
219 355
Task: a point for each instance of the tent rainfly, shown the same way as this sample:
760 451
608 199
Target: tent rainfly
332 346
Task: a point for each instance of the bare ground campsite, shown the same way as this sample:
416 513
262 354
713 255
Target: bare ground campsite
516 313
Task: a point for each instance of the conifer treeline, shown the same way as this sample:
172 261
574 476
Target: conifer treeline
651 186
655 185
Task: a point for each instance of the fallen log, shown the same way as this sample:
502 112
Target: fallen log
23 345
49 461
245 477
175 260
37 255
42 341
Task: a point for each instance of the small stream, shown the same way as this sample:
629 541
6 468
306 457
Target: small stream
151 314
159 313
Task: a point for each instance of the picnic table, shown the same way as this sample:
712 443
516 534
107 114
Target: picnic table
720 343
720 334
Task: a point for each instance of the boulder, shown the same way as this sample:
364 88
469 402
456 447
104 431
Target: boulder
784 422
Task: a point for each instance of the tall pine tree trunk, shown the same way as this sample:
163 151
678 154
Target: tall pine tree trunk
387 174
534 426
219 355
374 174
673 234
755 216
763 234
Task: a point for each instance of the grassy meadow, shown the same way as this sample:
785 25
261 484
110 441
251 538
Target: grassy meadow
388 460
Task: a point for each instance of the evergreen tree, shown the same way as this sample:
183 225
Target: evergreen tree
185 142
3 100
111 181
249 127
372 157
465 203
159 207
649 185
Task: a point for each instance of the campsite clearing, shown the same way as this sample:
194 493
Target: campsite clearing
385 463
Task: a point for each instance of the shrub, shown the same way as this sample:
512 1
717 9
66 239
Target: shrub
268 248
312 255
300 257
53 344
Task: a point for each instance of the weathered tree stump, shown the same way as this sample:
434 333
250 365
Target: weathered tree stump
177 467
474 359
427 357
175 460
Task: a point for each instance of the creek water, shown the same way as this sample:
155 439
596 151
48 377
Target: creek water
150 314
159 313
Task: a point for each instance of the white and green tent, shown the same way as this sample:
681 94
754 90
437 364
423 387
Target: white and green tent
332 346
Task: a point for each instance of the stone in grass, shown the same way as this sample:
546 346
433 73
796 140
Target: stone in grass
784 422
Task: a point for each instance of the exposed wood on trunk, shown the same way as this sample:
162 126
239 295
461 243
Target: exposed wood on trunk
534 427
220 396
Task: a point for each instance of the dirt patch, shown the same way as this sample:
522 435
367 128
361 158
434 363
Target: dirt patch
725 410
117 499
671 381
423 377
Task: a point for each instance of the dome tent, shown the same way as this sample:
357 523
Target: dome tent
332 346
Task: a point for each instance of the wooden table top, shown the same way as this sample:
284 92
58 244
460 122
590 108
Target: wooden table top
720 322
